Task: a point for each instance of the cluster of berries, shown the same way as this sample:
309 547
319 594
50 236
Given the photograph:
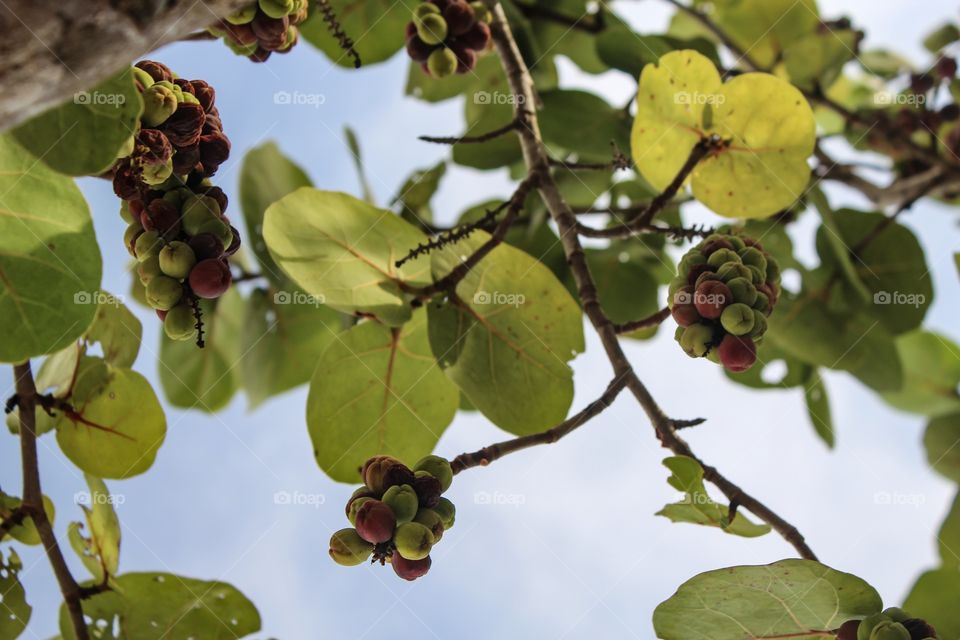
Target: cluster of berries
725 288
177 230
445 36
264 27
891 624
398 515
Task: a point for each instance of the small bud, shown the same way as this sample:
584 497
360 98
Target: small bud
427 488
409 569
743 291
737 319
403 500
737 353
432 521
210 278
731 270
447 512
155 174
148 245
413 541
752 256
142 78
159 103
889 630
382 472
432 29
710 299
439 468
696 340
176 259
736 242
163 293
347 548
375 521
179 323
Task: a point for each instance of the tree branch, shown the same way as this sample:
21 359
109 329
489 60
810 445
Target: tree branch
538 164
53 48
484 137
650 321
32 502
488 454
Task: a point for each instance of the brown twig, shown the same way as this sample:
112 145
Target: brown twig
595 24
484 137
15 519
538 164
652 320
333 26
32 501
488 454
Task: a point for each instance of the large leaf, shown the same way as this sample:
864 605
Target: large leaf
116 424
15 612
266 176
163 606
817 58
808 331
281 339
487 111
117 330
787 599
934 598
205 379
49 259
768 123
84 135
696 505
376 27
626 287
344 251
377 390
931 373
506 336
582 123
892 266
764 28
942 442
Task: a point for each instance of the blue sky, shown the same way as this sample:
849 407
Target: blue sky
573 550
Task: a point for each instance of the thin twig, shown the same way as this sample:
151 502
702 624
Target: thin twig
595 24
333 26
652 320
538 164
452 236
15 519
484 137
488 454
32 501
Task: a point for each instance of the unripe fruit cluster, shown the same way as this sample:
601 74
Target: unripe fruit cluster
397 515
446 36
179 134
891 624
725 289
263 28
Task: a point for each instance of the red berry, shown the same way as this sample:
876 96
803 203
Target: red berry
235 243
375 522
417 49
848 630
477 37
711 297
713 245
466 58
206 246
696 270
459 17
685 314
210 278
410 569
737 353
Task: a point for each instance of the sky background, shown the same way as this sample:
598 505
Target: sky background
573 550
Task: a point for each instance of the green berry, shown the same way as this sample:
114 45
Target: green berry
737 242
762 303
482 12
896 614
867 625
732 270
756 275
127 147
276 9
163 293
695 340
179 323
125 212
382 472
690 260
432 29
159 103
197 211
413 541
141 76
759 325
157 173
403 500
347 548
431 520
149 269
743 291
889 630
721 256
737 319
425 9
439 468
176 259
446 511
751 256
130 236
244 15
148 245
773 271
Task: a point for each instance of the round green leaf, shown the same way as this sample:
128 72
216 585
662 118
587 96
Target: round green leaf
931 373
582 123
343 251
117 424
789 598
83 135
767 122
506 336
15 612
49 259
764 28
942 442
377 390
118 331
